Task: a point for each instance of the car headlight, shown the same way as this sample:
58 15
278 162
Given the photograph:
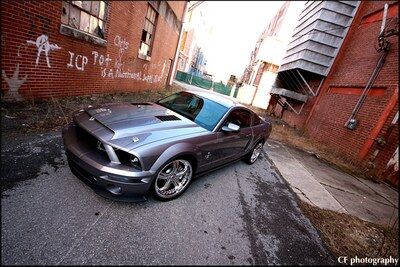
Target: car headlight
129 159
135 162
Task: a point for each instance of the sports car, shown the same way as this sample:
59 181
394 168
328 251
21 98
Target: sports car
132 150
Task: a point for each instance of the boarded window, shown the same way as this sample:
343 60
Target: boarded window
87 16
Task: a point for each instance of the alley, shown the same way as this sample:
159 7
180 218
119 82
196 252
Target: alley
237 215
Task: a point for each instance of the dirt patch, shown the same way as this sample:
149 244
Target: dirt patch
290 136
51 114
350 236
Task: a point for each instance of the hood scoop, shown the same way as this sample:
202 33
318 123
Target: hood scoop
168 118
142 104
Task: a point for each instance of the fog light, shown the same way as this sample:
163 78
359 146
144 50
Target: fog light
113 189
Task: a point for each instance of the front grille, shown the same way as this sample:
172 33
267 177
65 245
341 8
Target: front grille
168 118
91 142
80 172
86 137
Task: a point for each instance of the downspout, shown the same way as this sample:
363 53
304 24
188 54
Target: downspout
352 121
171 78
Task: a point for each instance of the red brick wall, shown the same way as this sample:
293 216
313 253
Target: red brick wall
392 141
178 7
352 68
27 20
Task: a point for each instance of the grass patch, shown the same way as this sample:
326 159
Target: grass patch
350 236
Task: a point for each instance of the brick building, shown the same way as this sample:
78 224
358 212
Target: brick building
62 48
372 145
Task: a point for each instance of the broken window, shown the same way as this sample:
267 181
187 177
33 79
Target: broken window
87 16
148 32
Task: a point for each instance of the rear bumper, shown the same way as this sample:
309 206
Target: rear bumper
110 181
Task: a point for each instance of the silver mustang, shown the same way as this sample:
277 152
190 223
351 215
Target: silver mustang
125 151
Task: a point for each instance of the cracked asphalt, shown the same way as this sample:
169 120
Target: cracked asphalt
239 214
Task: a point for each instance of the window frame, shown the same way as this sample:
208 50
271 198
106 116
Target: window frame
67 29
154 25
254 120
230 112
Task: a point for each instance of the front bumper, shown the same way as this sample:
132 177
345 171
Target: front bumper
113 181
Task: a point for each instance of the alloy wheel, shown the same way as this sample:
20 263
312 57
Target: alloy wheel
173 178
256 152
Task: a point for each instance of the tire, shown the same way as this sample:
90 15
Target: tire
173 179
254 154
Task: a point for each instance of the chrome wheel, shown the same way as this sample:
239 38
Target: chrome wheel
173 178
256 152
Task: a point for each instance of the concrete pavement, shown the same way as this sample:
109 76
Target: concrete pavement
319 184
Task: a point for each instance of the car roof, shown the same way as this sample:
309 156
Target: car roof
217 97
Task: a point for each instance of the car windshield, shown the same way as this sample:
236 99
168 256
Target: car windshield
202 111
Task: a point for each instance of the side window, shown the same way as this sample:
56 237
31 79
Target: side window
239 117
256 120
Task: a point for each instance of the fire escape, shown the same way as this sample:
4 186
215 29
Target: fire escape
315 43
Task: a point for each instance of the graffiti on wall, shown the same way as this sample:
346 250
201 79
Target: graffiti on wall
43 46
77 61
14 83
80 62
123 45
116 70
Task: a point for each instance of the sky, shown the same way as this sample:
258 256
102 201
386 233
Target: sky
236 27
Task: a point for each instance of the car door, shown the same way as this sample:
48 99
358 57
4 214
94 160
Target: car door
233 145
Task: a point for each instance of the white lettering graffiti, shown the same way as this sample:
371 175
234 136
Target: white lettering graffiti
123 46
151 78
80 61
101 59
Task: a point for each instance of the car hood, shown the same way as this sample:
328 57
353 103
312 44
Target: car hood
130 125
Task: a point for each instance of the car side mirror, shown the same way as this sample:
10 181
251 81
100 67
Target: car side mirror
231 128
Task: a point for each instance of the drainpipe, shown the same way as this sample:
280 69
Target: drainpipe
171 78
352 121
